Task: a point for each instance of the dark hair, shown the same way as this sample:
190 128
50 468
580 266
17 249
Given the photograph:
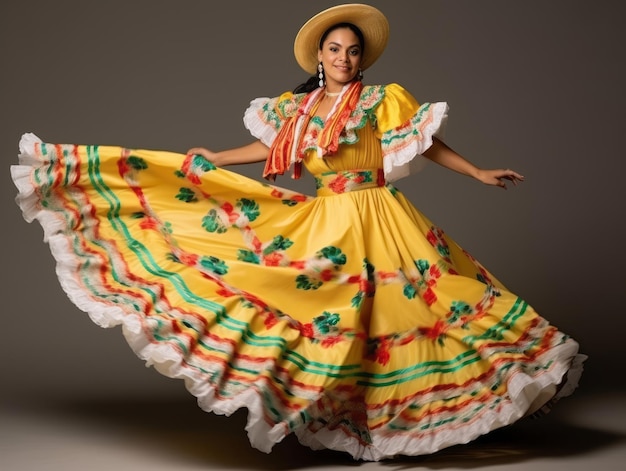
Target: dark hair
313 82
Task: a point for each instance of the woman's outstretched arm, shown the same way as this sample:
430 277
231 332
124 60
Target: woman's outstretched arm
251 153
443 155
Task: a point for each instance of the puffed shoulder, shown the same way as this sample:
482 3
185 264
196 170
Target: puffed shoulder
406 130
395 107
265 116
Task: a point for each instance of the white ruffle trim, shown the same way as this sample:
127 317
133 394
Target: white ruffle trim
168 360
253 123
523 393
409 160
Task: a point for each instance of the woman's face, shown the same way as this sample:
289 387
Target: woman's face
341 57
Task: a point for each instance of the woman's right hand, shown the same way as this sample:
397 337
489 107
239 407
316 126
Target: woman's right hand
204 152
250 153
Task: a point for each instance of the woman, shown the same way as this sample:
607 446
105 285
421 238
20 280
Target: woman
347 318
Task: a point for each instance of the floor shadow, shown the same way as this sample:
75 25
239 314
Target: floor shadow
177 429
527 440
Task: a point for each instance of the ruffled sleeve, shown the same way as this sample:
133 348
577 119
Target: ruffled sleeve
265 116
406 129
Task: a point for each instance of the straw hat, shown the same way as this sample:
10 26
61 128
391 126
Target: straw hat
369 20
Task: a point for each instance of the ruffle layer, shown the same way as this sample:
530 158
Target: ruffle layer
403 147
527 396
257 127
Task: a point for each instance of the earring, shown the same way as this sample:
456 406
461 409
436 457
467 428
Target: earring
360 74
320 75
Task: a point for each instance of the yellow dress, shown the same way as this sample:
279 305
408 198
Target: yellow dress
347 318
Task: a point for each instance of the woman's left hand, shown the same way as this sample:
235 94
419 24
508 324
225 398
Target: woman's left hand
499 177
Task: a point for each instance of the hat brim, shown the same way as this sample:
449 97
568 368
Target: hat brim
372 23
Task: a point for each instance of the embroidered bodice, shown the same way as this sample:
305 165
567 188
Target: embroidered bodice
388 129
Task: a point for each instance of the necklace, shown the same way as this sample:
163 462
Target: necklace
329 94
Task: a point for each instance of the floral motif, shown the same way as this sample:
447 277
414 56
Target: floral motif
248 256
437 239
423 281
214 264
137 163
275 111
289 198
366 282
326 323
348 180
459 310
270 254
279 243
325 330
322 267
378 350
436 332
213 223
128 166
194 166
334 254
249 207
187 195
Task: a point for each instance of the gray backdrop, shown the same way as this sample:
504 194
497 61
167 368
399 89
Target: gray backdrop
534 85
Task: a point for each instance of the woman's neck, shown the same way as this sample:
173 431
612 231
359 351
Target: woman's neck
335 89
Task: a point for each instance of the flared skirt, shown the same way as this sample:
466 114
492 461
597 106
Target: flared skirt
350 320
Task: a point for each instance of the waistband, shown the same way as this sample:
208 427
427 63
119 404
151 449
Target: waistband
335 183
